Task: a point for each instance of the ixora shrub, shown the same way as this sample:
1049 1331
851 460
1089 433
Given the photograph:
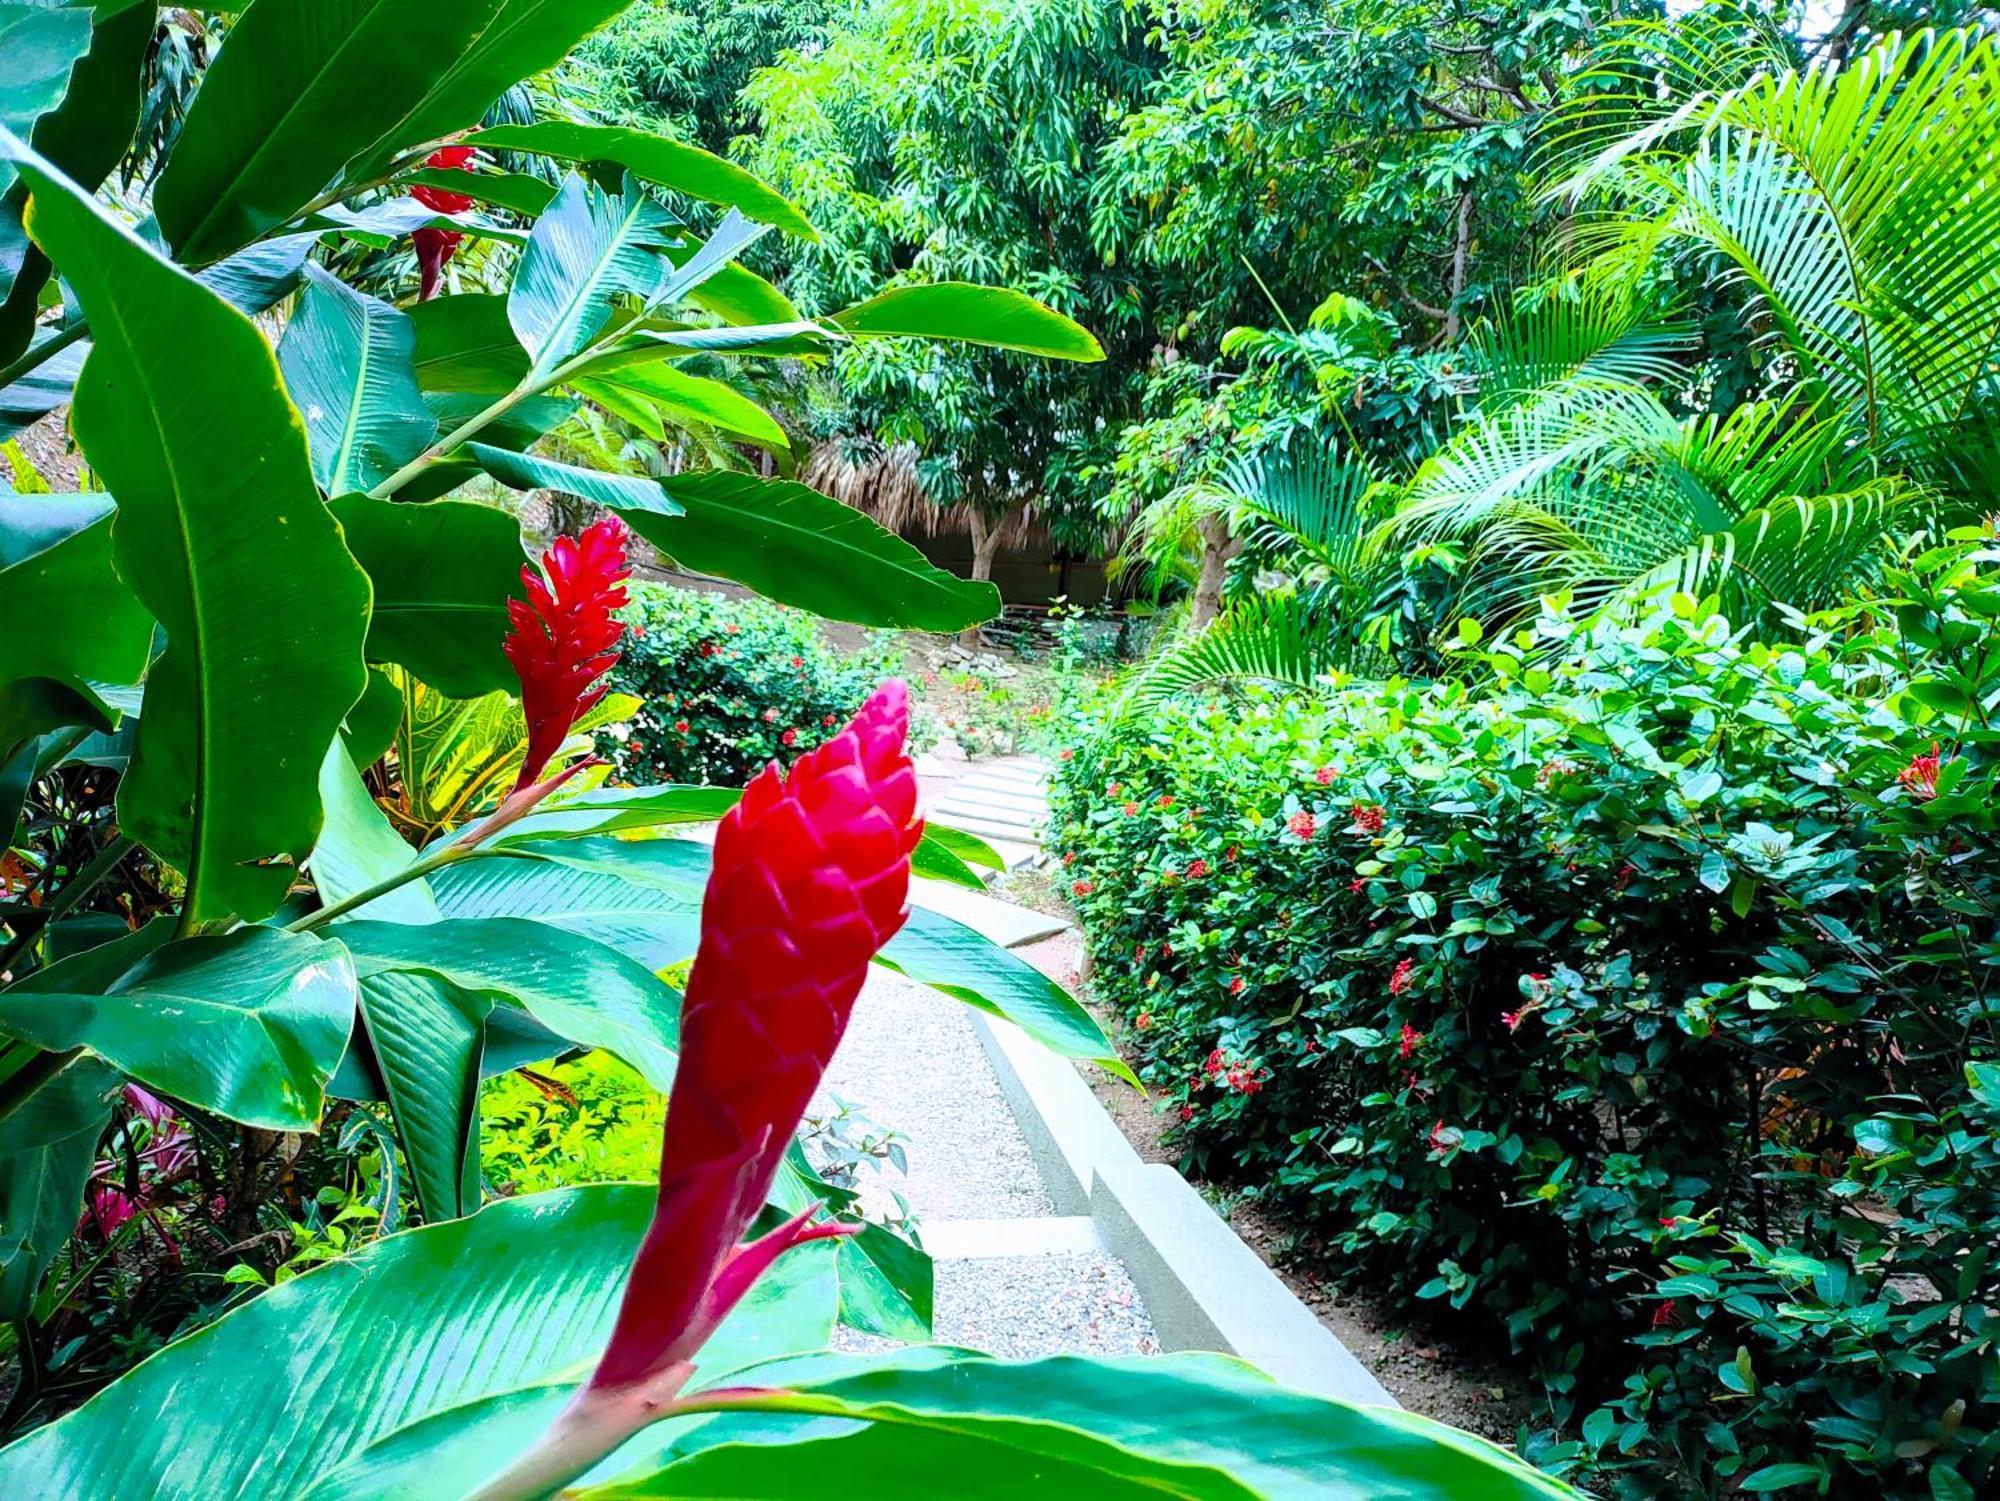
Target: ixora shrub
728 685
1636 1003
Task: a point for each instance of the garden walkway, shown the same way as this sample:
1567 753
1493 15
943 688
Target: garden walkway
1013 1276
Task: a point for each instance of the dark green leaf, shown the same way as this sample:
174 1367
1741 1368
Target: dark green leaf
522 471
588 247
426 1038
63 611
247 1024
655 159
443 574
47 1147
466 344
971 314
300 88
802 548
223 537
642 394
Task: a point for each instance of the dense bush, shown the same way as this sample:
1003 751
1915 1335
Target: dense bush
1635 1003
729 684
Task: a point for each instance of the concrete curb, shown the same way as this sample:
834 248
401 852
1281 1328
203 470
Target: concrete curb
1204 1288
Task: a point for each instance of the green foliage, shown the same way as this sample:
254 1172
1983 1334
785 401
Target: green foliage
590 1120
728 685
1630 1004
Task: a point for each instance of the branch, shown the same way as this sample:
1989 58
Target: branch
1457 116
1404 292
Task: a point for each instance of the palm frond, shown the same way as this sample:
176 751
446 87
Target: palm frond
1277 642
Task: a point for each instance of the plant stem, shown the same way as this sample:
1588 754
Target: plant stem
38 354
415 871
71 892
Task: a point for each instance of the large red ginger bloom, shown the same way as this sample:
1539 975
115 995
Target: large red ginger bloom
565 638
811 873
436 246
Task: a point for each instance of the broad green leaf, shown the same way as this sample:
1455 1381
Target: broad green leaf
258 276
63 611
971 314
426 1037
606 810
524 38
358 848
346 358
585 886
466 344
47 1147
43 389
509 190
655 159
650 909
1191 1426
577 988
642 394
223 537
588 247
521 471
968 847
443 574
248 1024
301 87
802 548
949 956
380 225
299 1380
650 343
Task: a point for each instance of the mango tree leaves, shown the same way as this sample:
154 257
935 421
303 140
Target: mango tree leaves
300 87
578 989
1196 1427
63 611
347 361
222 535
47 1147
443 574
522 471
300 1379
588 247
643 394
802 548
248 1024
971 314
655 159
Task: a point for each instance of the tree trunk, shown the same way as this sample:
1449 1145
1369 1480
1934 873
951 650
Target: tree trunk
1461 252
985 548
1217 548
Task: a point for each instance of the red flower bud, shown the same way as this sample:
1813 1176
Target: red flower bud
564 639
810 877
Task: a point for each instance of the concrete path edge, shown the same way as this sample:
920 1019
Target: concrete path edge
1205 1289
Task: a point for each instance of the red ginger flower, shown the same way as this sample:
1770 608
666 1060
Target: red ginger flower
810 878
436 246
564 639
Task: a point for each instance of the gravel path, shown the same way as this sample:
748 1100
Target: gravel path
910 1063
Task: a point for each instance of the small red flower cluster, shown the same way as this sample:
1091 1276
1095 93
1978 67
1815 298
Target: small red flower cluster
1164 801
1302 824
1114 789
1369 818
1130 810
1237 1073
1082 888
1666 1315
1197 868
1236 984
1920 777
1408 1041
1324 776
1357 885
1403 978
1144 1021
1443 1138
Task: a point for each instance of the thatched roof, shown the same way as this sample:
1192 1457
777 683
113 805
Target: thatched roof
884 483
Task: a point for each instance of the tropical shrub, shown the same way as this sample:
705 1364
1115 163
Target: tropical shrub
1632 1004
728 685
